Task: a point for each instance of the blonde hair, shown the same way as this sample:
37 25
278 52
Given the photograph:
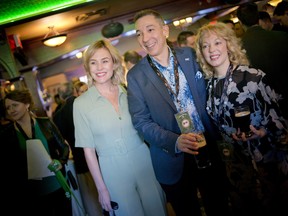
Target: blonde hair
77 85
237 55
118 73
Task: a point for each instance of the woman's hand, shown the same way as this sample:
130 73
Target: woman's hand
104 199
256 134
189 143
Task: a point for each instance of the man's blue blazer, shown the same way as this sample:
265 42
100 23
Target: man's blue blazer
153 110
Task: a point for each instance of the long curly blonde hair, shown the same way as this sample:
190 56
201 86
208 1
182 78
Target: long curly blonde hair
237 55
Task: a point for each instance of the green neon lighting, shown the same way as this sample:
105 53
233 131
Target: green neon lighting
15 10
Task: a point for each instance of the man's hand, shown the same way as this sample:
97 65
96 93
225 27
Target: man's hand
189 143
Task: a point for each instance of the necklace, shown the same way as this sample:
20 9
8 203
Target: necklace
176 75
228 79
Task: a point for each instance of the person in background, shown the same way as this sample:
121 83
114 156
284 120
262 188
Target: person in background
229 23
256 165
79 87
123 171
63 118
35 190
280 14
131 58
239 29
266 50
3 115
166 82
186 38
59 102
268 8
265 21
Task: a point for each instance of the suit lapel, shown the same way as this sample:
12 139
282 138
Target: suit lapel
157 82
186 63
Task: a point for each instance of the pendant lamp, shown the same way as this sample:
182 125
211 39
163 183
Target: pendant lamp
112 30
53 38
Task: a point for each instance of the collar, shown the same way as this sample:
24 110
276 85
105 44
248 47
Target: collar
161 67
95 92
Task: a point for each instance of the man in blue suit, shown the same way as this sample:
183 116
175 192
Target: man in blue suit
166 82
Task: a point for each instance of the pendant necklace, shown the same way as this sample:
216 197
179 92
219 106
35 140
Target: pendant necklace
228 79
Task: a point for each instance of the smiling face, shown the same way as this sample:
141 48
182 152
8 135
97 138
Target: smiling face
215 52
101 66
151 35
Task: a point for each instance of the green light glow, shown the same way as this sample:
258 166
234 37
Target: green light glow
15 10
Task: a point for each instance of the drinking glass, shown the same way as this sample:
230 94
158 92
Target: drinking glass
202 158
242 119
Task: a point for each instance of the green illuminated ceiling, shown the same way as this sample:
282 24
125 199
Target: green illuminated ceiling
15 10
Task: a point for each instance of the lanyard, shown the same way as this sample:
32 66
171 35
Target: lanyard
23 132
228 78
176 75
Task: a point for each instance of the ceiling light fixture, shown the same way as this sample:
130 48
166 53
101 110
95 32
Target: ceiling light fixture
113 29
53 38
182 23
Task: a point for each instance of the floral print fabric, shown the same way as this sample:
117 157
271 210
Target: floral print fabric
257 165
184 97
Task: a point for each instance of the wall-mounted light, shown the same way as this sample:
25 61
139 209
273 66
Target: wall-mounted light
183 22
53 38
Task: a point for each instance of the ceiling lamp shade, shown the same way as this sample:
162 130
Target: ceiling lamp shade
113 29
53 38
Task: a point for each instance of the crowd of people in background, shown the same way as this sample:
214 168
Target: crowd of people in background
266 50
120 131
64 120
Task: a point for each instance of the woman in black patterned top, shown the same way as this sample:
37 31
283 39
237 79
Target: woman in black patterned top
256 162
